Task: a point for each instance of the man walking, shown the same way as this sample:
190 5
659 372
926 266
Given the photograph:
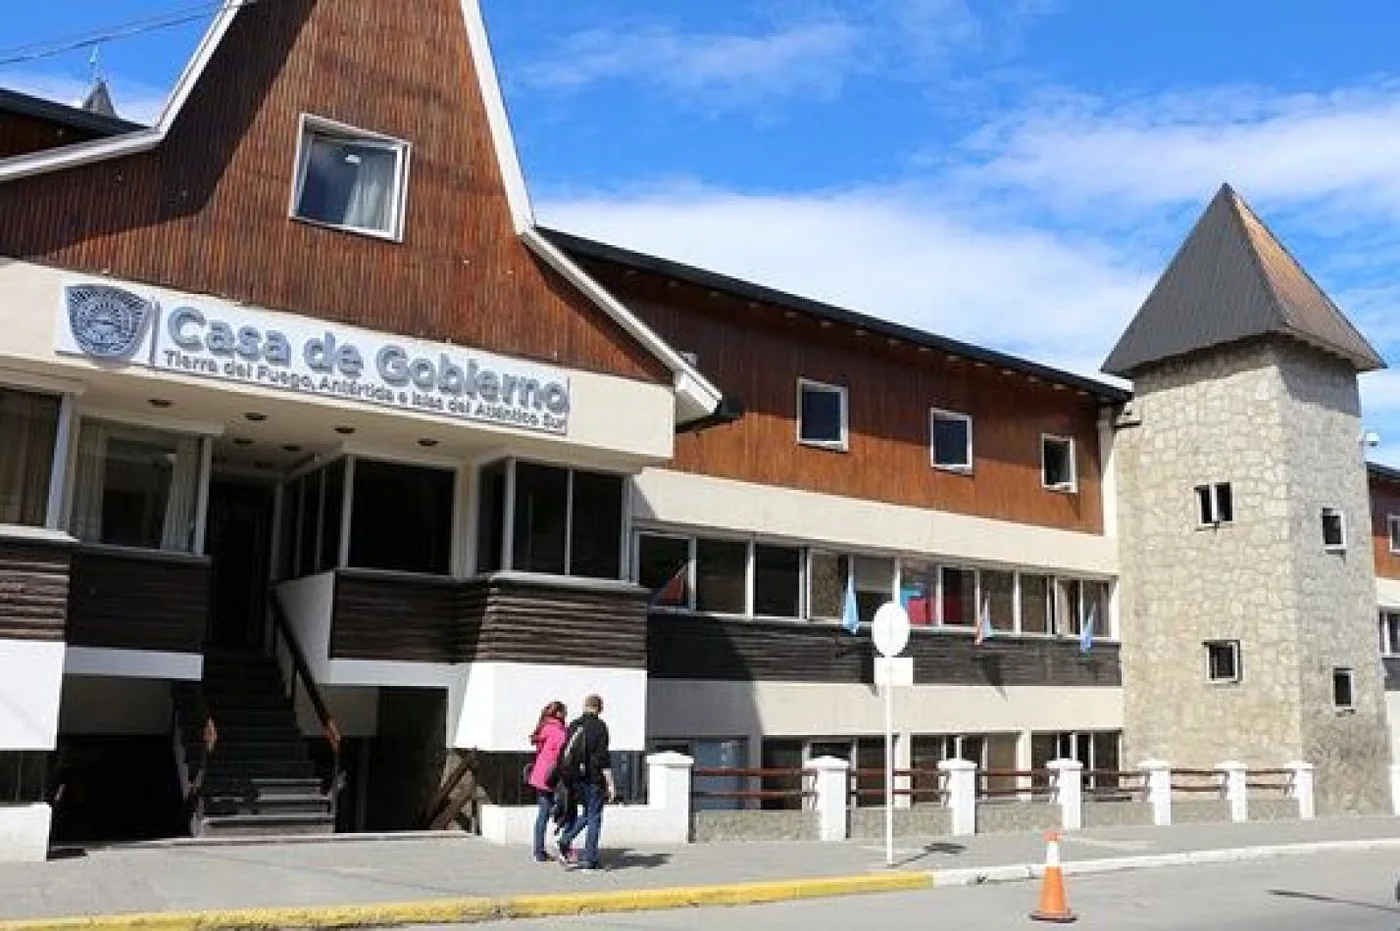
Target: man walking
588 766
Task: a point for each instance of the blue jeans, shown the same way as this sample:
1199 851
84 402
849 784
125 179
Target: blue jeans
594 796
545 803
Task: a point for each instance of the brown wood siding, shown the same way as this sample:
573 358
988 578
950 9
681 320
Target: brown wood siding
757 353
20 135
380 616
536 622
208 211
1385 501
33 589
702 647
138 601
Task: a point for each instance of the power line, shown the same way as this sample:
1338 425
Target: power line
38 50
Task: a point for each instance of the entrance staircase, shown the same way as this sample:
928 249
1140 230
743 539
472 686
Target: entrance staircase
259 777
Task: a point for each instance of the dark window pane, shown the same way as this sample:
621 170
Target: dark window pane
491 518
310 523
291 513
874 585
332 510
1342 688
826 589
720 568
959 594
541 508
348 183
1224 503
661 569
782 754
999 595
1058 463
1035 614
777 582
28 426
950 441
401 517
821 414
1204 507
595 546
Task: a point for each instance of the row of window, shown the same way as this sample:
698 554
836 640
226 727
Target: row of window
1215 507
823 420
718 575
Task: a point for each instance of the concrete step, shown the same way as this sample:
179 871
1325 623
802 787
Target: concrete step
266 825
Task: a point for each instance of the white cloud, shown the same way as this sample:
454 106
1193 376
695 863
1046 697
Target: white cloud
718 67
893 252
134 100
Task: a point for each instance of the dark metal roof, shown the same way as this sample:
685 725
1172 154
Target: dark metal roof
589 248
86 121
1383 471
1233 280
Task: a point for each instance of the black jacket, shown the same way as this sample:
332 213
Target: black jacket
586 753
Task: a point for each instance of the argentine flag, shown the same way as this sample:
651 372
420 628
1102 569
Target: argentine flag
850 615
1086 636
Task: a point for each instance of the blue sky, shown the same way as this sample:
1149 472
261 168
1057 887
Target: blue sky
1011 172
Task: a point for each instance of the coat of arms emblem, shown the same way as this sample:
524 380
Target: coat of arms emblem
107 322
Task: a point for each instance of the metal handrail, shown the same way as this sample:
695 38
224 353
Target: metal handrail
301 671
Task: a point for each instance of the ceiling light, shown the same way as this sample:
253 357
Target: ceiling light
345 431
255 417
159 402
427 442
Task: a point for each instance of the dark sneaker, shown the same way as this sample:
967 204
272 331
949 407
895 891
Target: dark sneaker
568 857
542 857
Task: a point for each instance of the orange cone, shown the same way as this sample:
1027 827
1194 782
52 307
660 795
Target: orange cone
1053 904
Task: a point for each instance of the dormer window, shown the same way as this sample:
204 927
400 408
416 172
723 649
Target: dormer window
350 179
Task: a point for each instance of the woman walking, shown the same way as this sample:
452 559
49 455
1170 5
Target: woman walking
548 740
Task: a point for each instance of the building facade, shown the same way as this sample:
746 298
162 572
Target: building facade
296 398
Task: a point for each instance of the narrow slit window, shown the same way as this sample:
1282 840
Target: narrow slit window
1057 463
1215 504
1334 532
1223 661
1343 689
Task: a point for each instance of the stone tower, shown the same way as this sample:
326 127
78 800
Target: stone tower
1248 590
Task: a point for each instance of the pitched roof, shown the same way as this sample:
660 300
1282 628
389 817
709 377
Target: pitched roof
1233 280
99 100
580 247
696 398
85 121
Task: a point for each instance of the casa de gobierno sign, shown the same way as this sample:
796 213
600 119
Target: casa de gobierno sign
116 326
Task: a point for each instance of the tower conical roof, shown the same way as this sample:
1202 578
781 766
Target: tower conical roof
1233 280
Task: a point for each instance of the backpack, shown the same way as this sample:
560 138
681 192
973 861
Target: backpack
573 761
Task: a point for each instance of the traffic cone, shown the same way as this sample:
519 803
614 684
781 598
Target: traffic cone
1053 904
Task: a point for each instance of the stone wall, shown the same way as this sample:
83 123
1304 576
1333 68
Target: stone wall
1016 817
1197 810
713 826
1116 814
919 821
1279 423
1274 808
1336 589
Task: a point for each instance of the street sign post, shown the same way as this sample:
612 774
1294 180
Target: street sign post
890 631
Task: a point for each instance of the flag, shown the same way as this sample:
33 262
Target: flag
1086 636
984 620
850 614
673 592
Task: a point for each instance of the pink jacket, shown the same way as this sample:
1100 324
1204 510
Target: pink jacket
549 743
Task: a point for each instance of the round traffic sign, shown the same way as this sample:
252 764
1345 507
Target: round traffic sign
890 629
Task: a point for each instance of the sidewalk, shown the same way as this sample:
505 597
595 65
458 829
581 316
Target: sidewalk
197 877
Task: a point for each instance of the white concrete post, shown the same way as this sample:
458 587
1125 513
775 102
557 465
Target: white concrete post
1068 787
903 759
1302 789
833 788
668 791
1233 789
962 794
1158 780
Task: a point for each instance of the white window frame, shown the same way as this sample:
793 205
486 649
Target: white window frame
1393 526
1390 633
841 445
936 414
1072 486
1350 675
1212 490
689 538
1341 524
310 124
1234 648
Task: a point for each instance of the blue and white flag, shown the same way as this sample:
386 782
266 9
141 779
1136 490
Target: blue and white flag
984 621
1086 636
850 614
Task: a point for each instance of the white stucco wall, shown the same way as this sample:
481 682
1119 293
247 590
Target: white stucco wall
31 681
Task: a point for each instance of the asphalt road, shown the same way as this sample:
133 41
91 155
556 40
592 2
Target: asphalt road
1355 892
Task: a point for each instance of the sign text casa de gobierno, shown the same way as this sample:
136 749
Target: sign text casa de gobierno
237 344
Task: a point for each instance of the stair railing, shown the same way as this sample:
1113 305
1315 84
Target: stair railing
301 673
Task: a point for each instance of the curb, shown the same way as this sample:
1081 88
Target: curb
462 911
1021 872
